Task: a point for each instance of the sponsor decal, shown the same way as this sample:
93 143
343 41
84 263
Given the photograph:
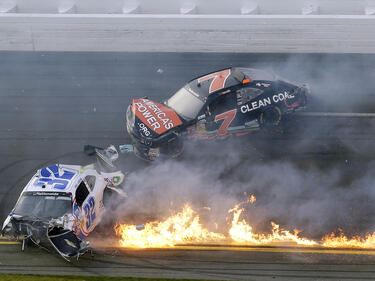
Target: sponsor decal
116 179
47 194
156 116
112 182
201 117
266 101
255 105
201 126
252 124
265 85
70 243
218 80
143 129
239 98
154 152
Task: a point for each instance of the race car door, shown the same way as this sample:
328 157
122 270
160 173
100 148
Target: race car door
85 199
249 107
94 203
221 114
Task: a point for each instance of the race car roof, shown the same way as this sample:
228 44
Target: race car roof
221 80
215 81
258 74
56 178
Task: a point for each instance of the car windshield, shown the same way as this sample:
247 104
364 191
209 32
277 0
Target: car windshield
185 104
43 204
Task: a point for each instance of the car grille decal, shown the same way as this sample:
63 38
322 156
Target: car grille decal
155 116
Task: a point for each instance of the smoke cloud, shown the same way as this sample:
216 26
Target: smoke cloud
313 198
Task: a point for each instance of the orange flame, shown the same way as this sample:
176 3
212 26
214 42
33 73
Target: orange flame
183 227
252 199
242 233
341 241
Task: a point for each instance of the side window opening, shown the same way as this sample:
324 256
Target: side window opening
248 93
90 181
223 103
81 193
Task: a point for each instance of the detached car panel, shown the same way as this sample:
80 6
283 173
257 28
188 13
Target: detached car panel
233 101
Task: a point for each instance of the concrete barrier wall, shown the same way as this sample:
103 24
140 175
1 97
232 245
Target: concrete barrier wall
336 7
188 33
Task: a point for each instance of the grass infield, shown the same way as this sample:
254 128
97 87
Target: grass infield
30 277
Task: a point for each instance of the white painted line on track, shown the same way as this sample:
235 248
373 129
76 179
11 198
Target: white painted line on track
337 114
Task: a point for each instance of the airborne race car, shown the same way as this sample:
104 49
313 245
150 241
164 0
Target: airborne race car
60 206
233 101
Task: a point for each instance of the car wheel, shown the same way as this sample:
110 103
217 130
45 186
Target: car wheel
270 117
176 148
173 148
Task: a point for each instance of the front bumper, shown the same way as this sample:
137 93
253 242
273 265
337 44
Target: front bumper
50 233
150 148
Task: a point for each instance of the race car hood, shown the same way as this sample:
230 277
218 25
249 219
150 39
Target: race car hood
152 118
66 243
58 232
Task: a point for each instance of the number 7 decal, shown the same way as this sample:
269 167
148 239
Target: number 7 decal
218 82
228 117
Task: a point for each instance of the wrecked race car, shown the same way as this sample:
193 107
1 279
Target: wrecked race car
232 101
60 206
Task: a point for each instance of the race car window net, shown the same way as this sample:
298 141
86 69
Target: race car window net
248 93
43 206
185 104
81 193
222 104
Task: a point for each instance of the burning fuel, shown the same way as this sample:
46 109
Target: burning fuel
252 198
341 241
241 232
185 227
181 228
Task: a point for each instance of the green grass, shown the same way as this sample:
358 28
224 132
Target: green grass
21 277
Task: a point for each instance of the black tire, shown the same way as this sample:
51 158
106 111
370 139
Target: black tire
142 153
271 117
173 148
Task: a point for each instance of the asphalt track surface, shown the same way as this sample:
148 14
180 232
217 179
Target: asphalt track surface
52 104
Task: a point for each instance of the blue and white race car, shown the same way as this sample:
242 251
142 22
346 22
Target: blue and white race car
61 205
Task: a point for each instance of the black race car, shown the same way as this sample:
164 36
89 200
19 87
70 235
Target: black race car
232 101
